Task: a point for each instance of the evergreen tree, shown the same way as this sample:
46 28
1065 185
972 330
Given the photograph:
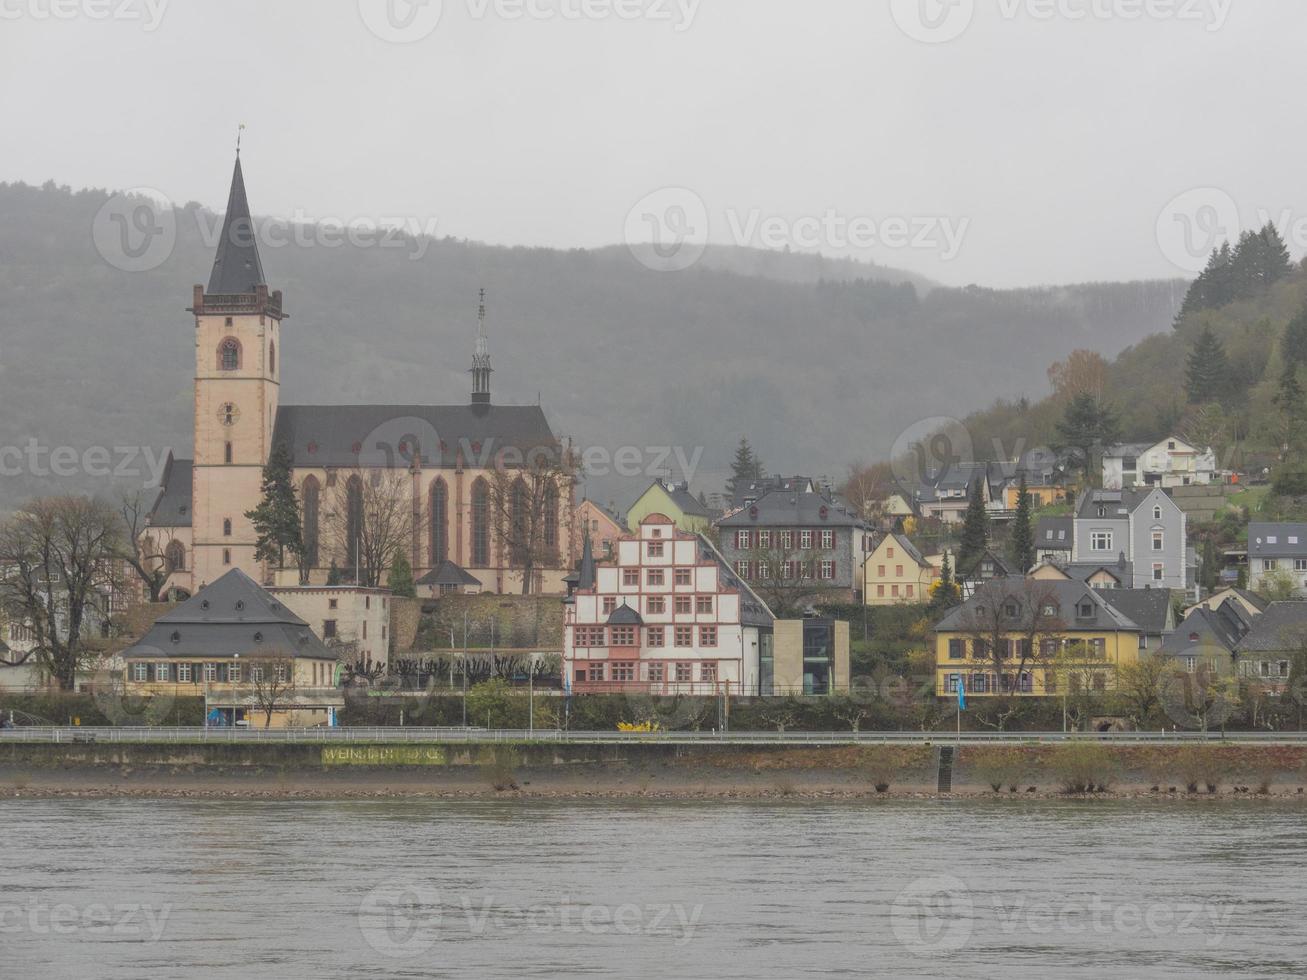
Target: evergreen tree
945 594
1294 346
1289 396
1275 255
746 468
1086 425
975 530
277 517
1214 286
401 577
333 573
1210 572
1023 531
1207 369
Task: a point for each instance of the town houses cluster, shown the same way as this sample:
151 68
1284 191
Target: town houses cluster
761 591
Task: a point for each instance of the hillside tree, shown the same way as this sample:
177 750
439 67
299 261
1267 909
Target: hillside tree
746 468
1023 531
1207 370
1086 427
975 530
276 519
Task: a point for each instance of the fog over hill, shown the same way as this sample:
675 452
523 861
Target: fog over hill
819 362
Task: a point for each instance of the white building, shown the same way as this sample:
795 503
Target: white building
667 617
1169 463
353 621
1279 550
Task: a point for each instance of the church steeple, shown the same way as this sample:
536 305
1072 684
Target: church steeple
236 267
481 368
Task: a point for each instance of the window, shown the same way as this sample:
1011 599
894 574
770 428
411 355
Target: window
141 672
880 591
1157 541
631 577
1100 540
655 604
684 636
184 673
805 540
610 603
234 673
889 552
893 591
1268 564
742 540
828 540
655 673
272 357
439 543
655 576
684 672
256 675
624 671
1085 610
880 571
1157 513
703 605
655 549
764 539
828 570
480 524
898 571
227 452
787 540
707 636
279 673
1300 564
309 496
210 672
590 636
683 605
226 527
1159 572
174 557
910 592
683 576
655 636
226 556
597 671
708 673
741 569
763 570
957 649
229 354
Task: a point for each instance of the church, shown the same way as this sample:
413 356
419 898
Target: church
448 486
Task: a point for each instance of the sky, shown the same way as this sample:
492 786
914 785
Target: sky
999 142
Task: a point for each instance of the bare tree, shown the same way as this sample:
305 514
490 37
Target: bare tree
272 684
785 578
371 521
58 556
144 548
531 508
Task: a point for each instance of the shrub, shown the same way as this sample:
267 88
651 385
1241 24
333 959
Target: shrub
1202 766
998 765
1084 767
499 766
885 763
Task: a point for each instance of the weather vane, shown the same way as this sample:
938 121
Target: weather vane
239 129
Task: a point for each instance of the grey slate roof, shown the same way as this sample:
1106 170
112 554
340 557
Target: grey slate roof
1066 595
1290 540
585 575
448 573
753 610
624 615
1224 626
1149 609
685 500
1282 628
1083 571
1054 533
172 508
388 436
784 508
236 266
908 547
232 617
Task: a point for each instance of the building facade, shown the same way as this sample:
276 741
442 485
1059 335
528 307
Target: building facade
1142 527
1277 552
896 572
1169 463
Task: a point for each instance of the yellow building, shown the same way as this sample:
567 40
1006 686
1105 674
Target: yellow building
1040 496
673 500
240 648
897 572
1052 637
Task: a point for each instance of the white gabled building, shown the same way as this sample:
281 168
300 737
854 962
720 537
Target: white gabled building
668 616
1169 463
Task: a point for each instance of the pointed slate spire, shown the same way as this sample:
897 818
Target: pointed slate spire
481 368
236 267
586 576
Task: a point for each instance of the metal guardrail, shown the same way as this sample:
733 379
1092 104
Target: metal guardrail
318 736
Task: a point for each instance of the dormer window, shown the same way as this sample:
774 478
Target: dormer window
1085 610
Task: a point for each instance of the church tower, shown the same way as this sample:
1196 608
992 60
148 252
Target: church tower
237 383
481 359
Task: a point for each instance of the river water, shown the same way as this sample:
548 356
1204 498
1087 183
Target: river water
897 888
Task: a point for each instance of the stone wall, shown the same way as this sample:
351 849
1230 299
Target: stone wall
506 622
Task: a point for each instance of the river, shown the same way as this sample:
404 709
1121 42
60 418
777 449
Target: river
304 890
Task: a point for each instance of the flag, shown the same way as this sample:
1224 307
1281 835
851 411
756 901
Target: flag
962 693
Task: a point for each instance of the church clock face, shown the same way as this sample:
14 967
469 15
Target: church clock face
228 413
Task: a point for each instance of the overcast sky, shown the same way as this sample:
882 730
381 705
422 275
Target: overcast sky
1019 142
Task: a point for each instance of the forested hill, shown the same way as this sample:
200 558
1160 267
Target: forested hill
817 365
1230 373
